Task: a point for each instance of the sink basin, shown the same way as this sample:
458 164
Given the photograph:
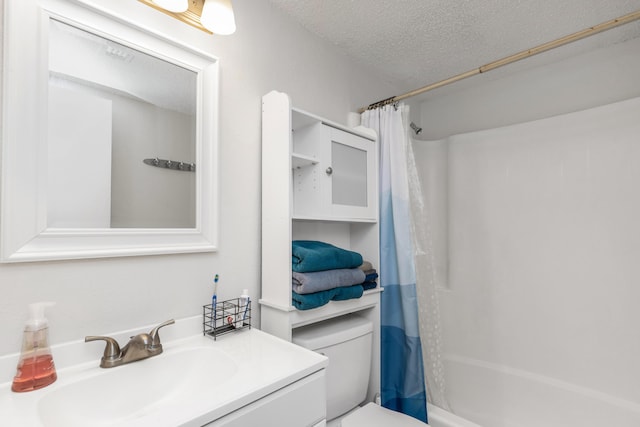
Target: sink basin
127 393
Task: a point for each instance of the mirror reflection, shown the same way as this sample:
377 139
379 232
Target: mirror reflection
110 108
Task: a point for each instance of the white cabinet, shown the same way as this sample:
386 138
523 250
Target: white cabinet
319 182
334 173
297 405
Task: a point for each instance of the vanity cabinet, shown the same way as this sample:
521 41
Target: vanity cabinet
296 405
319 182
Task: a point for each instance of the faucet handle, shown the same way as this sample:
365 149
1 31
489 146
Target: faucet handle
155 338
111 351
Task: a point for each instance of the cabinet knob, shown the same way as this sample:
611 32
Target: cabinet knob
329 170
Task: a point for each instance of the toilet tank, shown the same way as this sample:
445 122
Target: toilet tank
347 342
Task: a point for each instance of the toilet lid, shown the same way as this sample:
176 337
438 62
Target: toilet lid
372 415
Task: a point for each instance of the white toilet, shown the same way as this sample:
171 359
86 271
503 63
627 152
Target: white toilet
347 342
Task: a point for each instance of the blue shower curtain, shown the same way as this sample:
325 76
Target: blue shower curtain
402 372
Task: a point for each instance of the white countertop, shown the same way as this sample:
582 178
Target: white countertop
262 364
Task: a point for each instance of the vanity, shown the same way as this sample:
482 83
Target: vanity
248 378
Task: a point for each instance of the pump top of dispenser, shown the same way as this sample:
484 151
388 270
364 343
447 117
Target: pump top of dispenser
36 315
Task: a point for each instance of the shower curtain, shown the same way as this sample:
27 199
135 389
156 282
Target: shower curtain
402 372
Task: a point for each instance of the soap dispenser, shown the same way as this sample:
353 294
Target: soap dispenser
35 367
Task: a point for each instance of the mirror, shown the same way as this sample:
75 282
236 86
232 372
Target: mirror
110 108
111 150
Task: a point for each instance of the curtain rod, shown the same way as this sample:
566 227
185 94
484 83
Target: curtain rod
633 16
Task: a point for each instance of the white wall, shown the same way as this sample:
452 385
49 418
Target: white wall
99 296
143 195
595 78
551 299
79 143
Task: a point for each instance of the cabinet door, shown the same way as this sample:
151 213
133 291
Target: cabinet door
350 172
300 404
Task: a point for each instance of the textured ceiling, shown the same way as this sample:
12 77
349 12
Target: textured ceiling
413 43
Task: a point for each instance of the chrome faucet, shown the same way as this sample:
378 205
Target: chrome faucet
139 347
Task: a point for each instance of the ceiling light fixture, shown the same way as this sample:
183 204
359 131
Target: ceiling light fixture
177 6
217 16
210 16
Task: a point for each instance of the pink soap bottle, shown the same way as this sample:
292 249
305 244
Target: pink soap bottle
35 367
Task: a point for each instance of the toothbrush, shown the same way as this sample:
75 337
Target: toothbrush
246 307
214 301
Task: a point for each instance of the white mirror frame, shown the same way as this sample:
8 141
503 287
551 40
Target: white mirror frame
24 235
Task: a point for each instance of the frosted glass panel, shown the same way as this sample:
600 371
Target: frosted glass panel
349 177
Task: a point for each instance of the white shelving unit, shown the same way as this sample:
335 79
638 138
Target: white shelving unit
319 182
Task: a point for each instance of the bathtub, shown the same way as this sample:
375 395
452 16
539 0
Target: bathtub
482 394
439 417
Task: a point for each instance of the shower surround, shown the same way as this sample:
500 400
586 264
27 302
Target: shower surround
537 261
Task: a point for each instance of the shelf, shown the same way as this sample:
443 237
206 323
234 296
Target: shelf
301 201
298 318
334 219
301 118
300 161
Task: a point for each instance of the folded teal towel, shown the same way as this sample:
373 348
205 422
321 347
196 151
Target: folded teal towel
318 299
310 255
316 281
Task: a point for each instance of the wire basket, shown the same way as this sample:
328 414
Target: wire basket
228 316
